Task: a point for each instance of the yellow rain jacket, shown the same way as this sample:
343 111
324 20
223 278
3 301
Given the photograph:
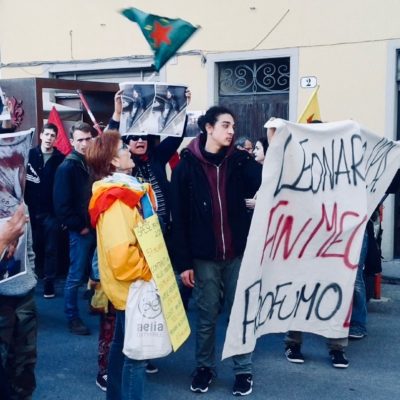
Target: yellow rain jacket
115 210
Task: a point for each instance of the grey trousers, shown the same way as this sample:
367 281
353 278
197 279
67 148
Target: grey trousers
296 337
215 282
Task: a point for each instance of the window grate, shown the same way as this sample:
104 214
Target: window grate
267 76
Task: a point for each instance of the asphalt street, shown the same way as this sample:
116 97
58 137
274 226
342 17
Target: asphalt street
67 364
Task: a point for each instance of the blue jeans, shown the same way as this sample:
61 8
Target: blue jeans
126 377
81 249
215 281
358 322
94 271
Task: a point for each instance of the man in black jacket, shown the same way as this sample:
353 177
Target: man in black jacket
42 165
72 192
210 224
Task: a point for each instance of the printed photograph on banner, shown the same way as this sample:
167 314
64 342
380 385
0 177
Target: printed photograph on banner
4 111
192 129
170 109
14 149
137 102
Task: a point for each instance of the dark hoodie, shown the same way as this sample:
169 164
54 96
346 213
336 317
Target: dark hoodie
209 215
215 169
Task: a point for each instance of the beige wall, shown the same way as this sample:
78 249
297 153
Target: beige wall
44 26
352 82
343 43
190 70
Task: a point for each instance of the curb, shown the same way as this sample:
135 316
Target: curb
392 280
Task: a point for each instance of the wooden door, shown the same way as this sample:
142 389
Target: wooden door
252 112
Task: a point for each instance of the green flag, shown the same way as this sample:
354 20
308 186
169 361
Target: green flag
164 35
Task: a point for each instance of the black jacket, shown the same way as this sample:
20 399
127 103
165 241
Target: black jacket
72 192
158 157
192 226
40 181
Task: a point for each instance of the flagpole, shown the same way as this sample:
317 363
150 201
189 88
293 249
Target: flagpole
92 118
150 77
308 104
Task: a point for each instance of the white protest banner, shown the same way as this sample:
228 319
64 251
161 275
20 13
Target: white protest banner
14 150
321 182
153 109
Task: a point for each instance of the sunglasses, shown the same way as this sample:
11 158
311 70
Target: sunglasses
135 138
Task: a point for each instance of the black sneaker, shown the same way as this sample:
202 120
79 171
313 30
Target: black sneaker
151 368
243 385
77 327
201 380
49 292
356 335
293 354
339 359
101 382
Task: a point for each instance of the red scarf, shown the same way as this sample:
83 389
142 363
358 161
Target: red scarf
107 199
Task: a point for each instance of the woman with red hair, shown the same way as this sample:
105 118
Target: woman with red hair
118 204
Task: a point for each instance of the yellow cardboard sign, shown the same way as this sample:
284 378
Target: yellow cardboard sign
152 243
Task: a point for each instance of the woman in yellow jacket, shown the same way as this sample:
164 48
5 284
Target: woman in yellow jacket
118 204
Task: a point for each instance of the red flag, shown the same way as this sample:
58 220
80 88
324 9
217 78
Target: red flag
174 160
62 142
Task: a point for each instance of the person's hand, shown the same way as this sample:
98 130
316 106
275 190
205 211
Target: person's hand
188 95
117 105
93 284
84 231
13 228
250 203
11 249
270 132
188 278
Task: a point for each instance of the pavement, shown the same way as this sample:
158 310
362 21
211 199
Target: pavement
67 364
391 271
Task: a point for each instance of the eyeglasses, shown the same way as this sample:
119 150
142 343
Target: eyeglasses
135 138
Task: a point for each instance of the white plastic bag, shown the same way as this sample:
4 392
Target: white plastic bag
146 333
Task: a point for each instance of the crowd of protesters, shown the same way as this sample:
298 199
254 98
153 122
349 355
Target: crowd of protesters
205 212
